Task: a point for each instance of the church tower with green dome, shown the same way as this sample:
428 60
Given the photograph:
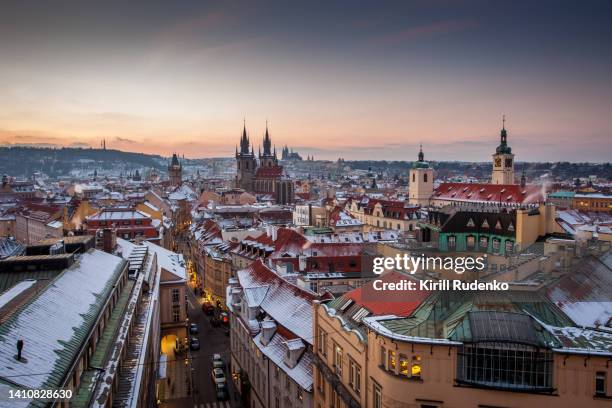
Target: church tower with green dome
420 187
503 160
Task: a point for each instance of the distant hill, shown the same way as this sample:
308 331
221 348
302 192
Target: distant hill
55 162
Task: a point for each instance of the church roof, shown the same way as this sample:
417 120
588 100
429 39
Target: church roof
269 172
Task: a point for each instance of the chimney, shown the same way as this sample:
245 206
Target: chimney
109 240
19 349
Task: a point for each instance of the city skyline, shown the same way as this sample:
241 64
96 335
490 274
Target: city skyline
357 80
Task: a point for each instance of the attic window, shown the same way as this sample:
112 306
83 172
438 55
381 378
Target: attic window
465 189
450 188
482 190
485 224
511 227
498 225
509 198
470 223
523 192
503 190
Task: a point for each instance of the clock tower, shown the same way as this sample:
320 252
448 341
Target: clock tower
421 180
503 160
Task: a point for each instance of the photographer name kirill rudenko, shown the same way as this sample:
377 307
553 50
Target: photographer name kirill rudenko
411 265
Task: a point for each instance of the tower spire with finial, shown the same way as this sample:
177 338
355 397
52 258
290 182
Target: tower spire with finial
421 155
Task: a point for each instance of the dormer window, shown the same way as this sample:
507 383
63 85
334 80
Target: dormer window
293 352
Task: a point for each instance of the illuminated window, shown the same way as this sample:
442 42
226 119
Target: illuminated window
403 365
470 241
416 367
338 359
392 363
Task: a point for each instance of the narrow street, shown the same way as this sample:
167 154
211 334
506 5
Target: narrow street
212 340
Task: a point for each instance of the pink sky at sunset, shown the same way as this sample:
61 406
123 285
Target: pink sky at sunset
184 82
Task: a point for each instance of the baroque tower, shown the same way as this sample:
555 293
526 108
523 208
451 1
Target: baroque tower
503 160
420 187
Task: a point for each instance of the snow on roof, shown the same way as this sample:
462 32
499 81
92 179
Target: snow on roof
285 302
13 292
55 324
276 351
118 215
170 261
55 224
151 206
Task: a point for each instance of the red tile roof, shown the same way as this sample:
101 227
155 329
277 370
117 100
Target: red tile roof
269 172
380 303
493 193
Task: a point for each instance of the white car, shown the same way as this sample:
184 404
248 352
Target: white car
218 376
217 361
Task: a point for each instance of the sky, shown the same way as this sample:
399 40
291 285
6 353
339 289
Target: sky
352 79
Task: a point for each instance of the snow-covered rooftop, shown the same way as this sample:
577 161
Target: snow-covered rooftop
55 324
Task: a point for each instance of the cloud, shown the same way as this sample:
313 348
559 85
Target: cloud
410 34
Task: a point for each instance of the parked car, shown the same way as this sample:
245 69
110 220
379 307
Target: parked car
215 322
193 328
208 308
194 344
221 391
217 361
218 376
224 317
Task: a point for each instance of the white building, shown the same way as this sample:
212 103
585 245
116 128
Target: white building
271 339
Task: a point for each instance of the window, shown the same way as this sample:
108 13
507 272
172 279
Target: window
377 396
276 372
452 241
175 295
470 242
509 246
600 383
338 359
320 383
484 242
391 363
335 400
403 365
413 177
507 365
383 356
416 367
354 375
496 244
425 178
176 313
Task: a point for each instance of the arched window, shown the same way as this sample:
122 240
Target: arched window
425 177
413 177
